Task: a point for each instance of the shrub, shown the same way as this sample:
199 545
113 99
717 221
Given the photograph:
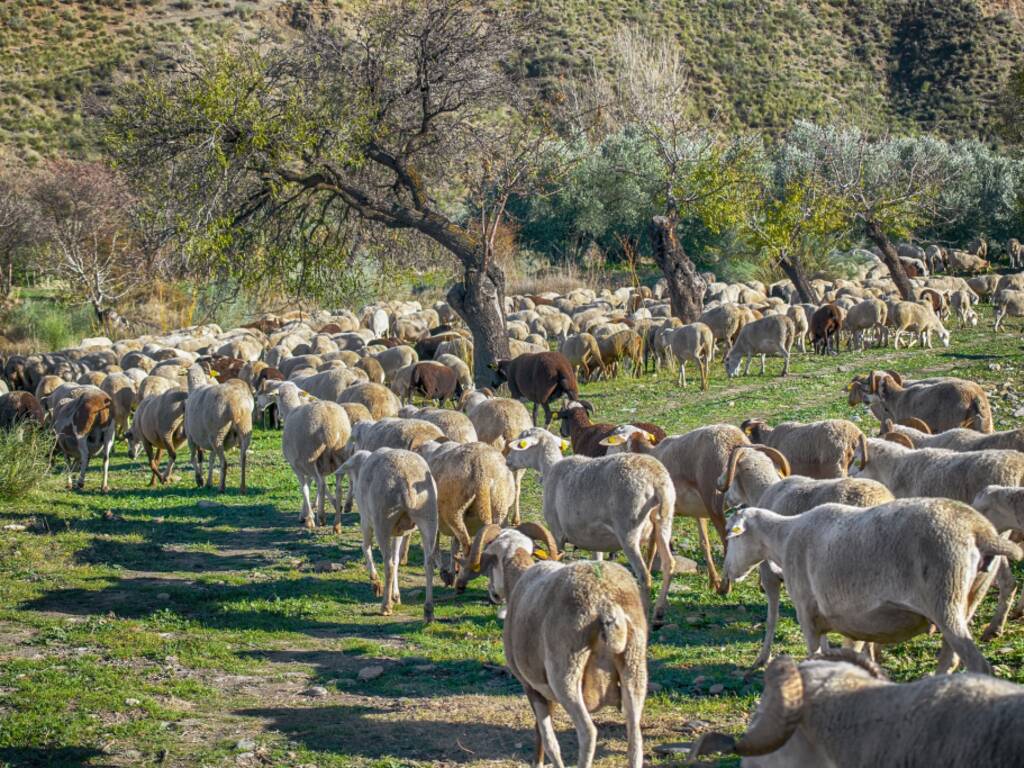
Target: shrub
49 325
24 461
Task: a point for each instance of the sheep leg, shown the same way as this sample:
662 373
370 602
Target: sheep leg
636 560
1000 314
705 544
108 448
746 368
172 456
957 641
406 543
762 363
396 558
896 339
222 455
209 468
387 544
682 374
568 693
785 364
663 531
153 467
535 414
306 513
544 730
517 475
429 533
196 459
321 499
367 531
337 501
1007 591
771 583
547 415
243 445
633 689
704 374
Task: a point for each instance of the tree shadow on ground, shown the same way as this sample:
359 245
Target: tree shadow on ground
380 733
55 757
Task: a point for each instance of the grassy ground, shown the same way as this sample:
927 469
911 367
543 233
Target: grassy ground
177 627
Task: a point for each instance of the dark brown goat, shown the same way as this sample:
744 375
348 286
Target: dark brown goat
826 322
435 382
539 377
586 436
16 407
426 348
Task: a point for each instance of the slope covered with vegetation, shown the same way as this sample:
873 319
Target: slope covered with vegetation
899 64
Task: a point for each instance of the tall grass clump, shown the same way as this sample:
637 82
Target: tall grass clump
24 460
49 325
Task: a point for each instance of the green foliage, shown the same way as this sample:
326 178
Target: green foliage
49 324
24 461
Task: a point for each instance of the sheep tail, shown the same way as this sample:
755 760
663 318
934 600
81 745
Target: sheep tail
990 544
614 627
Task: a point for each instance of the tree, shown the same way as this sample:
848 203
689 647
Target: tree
16 230
702 175
282 156
794 219
81 212
890 185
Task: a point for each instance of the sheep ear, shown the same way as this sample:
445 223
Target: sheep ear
612 440
523 443
737 529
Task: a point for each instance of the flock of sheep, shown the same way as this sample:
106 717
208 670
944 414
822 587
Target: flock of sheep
877 539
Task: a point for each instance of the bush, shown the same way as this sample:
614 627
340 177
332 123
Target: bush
48 325
24 461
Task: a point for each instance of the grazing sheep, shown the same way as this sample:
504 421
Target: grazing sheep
217 417
959 439
435 381
772 335
394 359
604 504
84 422
694 461
575 634
883 574
474 488
961 304
1004 508
395 493
826 324
942 404
917 318
798 315
1015 253
584 355
838 709
159 425
121 391
380 401
964 262
725 322
1007 303
586 436
460 368
867 315
17 407
151 386
538 377
314 441
821 449
619 346
456 426
758 476
694 342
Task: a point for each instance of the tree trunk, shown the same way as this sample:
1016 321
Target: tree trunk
480 302
793 266
685 286
892 260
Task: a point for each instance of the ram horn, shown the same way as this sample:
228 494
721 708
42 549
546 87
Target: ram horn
483 537
777 457
730 471
915 423
863 451
538 532
899 438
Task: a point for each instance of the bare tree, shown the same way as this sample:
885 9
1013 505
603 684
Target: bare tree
81 215
286 152
703 174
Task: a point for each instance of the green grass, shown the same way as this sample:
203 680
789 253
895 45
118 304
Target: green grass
173 626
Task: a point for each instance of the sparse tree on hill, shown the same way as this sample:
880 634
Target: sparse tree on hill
280 154
16 227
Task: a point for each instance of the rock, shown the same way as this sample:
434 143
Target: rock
685 565
995 367
245 757
716 689
158 520
15 527
676 748
207 504
653 687
699 679
694 726
326 566
163 596
425 667
132 755
317 692
371 672
1005 649
245 744
132 702
694 618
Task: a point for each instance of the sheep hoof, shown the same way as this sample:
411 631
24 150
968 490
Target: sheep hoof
386 611
105 489
724 587
378 589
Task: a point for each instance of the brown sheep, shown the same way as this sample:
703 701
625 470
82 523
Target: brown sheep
17 407
826 323
435 381
619 346
586 436
84 423
539 377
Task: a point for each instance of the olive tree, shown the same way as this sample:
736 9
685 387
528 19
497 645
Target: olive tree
890 186
282 156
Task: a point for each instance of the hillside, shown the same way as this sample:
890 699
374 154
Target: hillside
902 64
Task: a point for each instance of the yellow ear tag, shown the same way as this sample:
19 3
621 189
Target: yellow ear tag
849 387
564 445
476 568
523 444
540 554
612 440
650 438
736 530
214 374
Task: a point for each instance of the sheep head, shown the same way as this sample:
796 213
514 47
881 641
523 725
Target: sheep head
775 720
756 429
493 548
